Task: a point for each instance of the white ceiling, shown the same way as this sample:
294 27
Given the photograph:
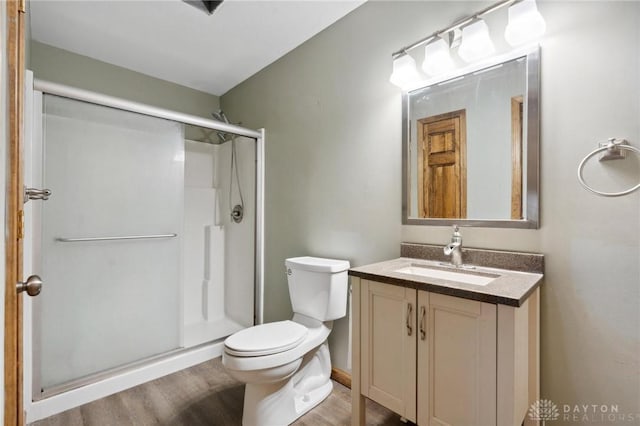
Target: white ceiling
174 41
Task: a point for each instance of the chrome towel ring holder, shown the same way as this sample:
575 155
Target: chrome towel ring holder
613 149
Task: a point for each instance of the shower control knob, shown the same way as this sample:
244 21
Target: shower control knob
32 286
237 213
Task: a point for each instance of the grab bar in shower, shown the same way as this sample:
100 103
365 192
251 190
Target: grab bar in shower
124 237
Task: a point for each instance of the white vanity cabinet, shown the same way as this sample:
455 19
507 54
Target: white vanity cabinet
388 348
456 361
442 360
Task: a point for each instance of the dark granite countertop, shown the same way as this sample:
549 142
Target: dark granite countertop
509 288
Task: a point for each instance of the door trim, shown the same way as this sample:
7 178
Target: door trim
13 403
516 156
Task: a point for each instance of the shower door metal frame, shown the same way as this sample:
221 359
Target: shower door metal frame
140 108
40 87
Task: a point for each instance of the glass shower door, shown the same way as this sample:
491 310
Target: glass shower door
111 241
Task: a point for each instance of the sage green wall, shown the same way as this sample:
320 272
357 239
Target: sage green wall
333 176
61 66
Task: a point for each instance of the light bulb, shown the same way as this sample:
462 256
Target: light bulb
404 72
437 58
525 23
476 42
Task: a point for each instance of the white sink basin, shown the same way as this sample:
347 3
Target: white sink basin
467 277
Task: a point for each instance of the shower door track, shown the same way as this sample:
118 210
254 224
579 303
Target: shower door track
97 377
93 378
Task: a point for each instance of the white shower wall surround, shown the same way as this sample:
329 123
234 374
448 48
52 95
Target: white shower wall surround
218 276
118 313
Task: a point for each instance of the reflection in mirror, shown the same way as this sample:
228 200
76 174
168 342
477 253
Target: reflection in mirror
470 148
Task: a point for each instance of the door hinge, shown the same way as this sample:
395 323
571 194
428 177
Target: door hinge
21 224
22 6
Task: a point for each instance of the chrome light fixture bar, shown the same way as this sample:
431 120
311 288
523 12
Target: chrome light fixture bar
456 26
525 24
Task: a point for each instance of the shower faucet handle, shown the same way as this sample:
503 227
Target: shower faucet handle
237 213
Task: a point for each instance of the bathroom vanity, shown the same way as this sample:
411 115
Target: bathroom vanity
448 346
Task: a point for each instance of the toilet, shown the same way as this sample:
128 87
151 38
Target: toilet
286 364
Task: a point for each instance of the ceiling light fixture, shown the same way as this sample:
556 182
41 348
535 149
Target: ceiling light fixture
525 24
207 6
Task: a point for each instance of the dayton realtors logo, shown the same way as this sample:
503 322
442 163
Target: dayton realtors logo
543 409
546 410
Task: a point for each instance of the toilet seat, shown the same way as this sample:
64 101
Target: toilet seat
266 339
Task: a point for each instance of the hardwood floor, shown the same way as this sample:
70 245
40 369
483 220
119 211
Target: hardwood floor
202 395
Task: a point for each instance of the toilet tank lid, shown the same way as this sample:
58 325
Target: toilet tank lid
317 264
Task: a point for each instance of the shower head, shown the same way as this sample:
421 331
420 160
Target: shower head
220 116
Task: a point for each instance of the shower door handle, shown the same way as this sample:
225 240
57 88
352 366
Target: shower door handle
36 194
32 286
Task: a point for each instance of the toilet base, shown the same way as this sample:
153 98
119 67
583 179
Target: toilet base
281 403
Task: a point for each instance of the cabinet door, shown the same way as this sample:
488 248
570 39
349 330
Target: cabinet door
388 345
456 361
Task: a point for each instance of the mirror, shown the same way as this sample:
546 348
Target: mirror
470 146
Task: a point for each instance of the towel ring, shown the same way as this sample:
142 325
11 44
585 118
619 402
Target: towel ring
612 144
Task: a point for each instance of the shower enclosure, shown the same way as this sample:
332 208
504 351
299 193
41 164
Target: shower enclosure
145 270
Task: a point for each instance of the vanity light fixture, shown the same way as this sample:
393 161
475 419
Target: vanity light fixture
525 24
476 42
405 72
437 58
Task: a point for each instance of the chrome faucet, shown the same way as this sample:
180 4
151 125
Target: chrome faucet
454 249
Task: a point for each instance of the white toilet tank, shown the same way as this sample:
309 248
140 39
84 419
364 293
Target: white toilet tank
318 287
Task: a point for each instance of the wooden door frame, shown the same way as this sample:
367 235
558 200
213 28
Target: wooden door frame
13 403
462 114
516 157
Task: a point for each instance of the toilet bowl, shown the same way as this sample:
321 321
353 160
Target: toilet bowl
286 364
